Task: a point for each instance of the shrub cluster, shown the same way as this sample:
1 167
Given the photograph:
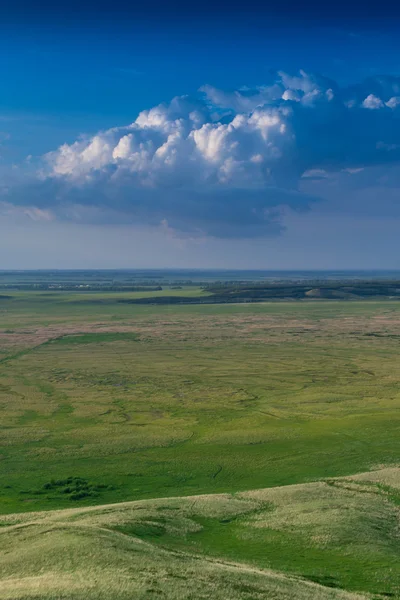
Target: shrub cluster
74 488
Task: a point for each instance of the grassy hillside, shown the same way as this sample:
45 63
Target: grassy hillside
266 408
296 542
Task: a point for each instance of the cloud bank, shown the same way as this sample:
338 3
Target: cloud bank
224 163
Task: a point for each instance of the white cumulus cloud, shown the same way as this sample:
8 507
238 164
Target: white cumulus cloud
223 163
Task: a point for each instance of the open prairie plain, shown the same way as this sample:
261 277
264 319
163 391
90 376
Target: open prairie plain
231 434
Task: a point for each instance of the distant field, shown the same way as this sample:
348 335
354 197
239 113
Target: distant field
92 297
159 401
218 287
103 402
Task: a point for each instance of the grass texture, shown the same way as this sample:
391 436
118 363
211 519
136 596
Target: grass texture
250 419
333 539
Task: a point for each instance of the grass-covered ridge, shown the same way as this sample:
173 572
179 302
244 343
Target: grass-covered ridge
329 540
247 418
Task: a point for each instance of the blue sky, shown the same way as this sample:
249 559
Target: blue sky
242 183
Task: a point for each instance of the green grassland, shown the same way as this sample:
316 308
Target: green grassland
107 402
318 540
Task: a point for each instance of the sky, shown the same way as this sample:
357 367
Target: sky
220 135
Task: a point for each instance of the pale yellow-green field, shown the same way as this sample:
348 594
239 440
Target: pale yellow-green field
268 409
158 548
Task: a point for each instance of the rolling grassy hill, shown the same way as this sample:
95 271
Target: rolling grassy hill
336 539
114 418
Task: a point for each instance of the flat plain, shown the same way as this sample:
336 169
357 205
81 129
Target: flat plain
198 443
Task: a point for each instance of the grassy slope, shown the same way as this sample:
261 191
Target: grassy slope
342 533
107 402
